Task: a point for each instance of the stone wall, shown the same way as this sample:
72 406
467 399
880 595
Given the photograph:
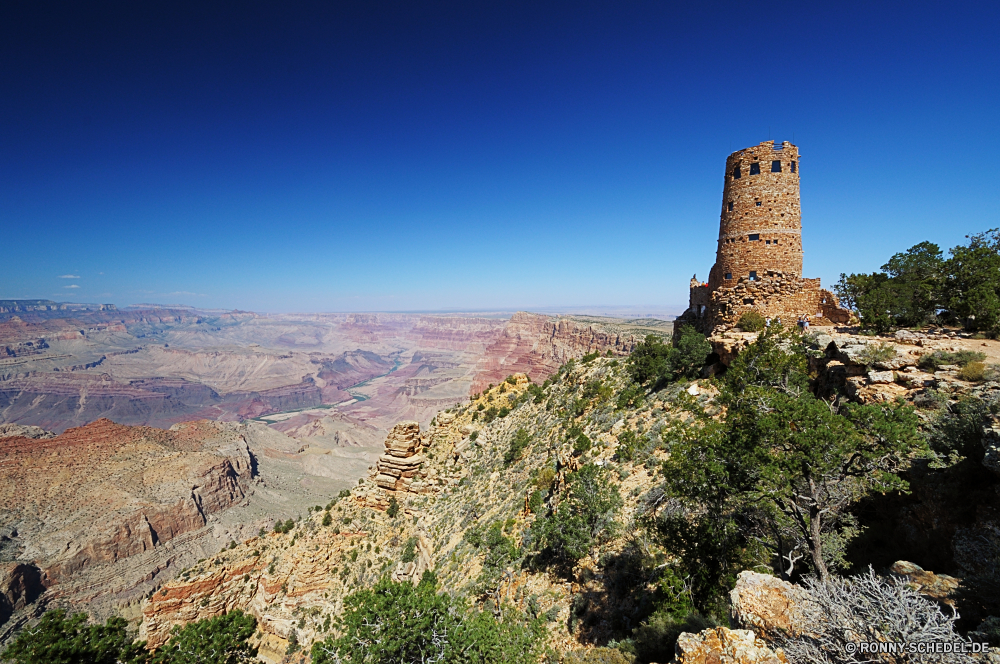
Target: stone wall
774 295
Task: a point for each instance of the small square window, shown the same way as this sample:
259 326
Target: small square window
736 173
793 167
753 238
757 203
730 206
767 242
753 275
776 166
729 275
755 168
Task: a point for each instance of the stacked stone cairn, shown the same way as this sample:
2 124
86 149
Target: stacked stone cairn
398 467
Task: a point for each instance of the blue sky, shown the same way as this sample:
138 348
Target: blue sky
471 155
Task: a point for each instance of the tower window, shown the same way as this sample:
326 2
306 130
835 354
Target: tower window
776 166
757 203
755 168
793 167
767 242
737 174
730 206
753 275
729 275
753 238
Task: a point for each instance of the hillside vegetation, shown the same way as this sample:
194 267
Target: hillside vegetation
594 517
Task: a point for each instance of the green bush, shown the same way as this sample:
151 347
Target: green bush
327 519
535 502
511 380
875 353
937 359
751 321
654 363
219 640
599 656
545 478
285 527
399 622
974 372
393 509
409 550
59 638
581 444
517 446
584 517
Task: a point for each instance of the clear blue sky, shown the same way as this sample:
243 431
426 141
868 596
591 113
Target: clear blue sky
341 156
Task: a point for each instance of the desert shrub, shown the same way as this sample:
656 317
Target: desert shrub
59 638
399 622
581 443
751 321
219 640
537 393
589 357
875 353
598 656
958 427
499 552
937 359
867 608
517 446
656 638
545 478
285 527
585 516
654 363
327 519
393 508
409 550
633 446
473 436
974 372
510 380
536 502
344 493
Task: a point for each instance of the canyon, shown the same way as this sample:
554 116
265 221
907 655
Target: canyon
136 442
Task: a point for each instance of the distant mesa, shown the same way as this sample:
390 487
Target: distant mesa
24 306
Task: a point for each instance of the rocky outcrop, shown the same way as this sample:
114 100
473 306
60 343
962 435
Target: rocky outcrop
938 587
24 431
86 501
766 604
721 645
398 466
20 585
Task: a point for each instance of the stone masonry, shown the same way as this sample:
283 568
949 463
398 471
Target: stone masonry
758 262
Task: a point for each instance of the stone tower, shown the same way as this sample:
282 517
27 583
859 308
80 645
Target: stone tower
758 259
761 224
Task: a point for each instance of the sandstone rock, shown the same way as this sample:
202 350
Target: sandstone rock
725 646
876 377
765 603
399 467
20 584
939 587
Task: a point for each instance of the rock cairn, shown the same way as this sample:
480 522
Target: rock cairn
397 468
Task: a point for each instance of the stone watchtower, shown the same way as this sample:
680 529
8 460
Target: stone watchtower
758 260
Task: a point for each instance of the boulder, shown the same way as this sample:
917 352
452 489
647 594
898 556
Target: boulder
939 587
725 646
876 377
766 604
